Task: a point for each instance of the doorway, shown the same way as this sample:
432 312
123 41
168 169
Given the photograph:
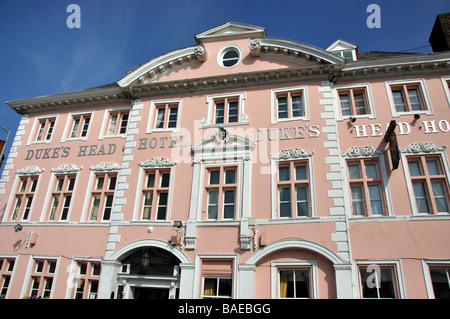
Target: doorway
151 293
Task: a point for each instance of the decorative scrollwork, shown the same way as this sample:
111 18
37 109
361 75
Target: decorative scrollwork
66 169
293 153
106 167
361 151
426 147
156 162
30 171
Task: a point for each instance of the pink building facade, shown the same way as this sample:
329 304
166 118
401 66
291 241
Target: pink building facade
244 166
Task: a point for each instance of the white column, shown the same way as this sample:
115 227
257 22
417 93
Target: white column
344 287
246 283
108 279
187 281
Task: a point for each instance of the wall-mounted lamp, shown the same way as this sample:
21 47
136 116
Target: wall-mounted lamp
145 259
18 228
353 119
177 225
416 116
31 236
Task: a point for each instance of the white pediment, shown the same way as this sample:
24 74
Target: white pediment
230 30
341 45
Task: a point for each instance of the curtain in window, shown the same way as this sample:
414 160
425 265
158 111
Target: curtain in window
209 288
284 277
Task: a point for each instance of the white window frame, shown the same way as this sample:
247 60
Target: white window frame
427 276
445 83
274 104
396 263
138 202
275 266
198 280
421 83
208 121
226 49
204 170
348 155
106 121
69 126
435 150
153 111
274 164
367 91
35 129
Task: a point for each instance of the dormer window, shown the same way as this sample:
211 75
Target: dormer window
347 50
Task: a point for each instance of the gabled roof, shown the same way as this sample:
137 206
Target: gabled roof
341 45
230 30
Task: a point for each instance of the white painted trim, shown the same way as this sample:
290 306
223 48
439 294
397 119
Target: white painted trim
68 126
274 275
152 115
368 92
273 104
208 121
274 193
427 276
409 187
445 83
197 273
105 122
421 83
35 127
384 262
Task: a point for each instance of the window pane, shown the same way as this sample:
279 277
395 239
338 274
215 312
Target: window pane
220 113
123 124
165 178
387 284
233 112
371 170
150 180
76 122
160 118
300 172
358 200
229 204
282 108
414 168
230 176
302 201
414 99
440 196
302 284
285 202
210 287
376 202
95 206
112 125
360 103
399 101
71 184
433 167
345 104
214 177
284 173
148 199
354 171
162 206
112 182
440 281
85 126
225 287
297 109
100 181
173 117
421 197
213 201
286 284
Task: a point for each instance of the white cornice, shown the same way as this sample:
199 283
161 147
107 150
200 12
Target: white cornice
164 65
261 46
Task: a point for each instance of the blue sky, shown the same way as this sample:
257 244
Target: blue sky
40 55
